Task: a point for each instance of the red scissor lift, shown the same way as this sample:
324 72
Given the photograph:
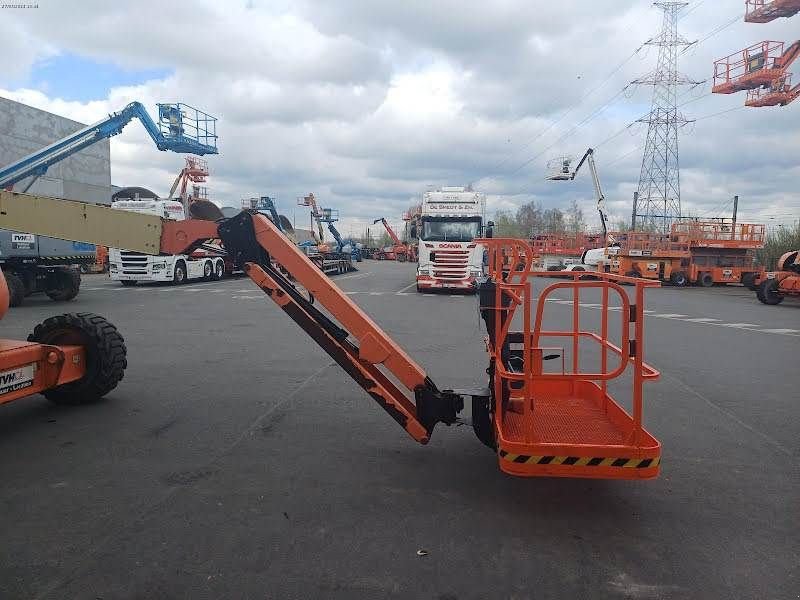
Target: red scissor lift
563 422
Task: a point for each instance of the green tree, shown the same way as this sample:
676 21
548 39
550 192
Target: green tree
529 218
575 221
553 221
778 241
506 224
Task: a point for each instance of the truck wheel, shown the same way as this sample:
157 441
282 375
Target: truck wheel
678 279
16 288
219 270
105 355
128 283
208 270
180 273
749 281
768 292
67 284
706 280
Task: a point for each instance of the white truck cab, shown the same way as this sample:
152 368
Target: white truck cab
451 219
130 268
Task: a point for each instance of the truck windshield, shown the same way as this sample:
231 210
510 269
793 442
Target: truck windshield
450 230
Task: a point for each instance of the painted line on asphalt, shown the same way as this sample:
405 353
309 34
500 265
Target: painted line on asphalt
410 285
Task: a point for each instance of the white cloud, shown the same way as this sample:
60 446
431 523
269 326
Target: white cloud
367 104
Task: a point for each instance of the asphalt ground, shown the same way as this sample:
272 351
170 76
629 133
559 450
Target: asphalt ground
236 461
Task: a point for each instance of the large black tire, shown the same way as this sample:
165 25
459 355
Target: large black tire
219 270
16 288
768 292
749 281
129 282
105 355
705 280
208 270
180 276
678 279
67 284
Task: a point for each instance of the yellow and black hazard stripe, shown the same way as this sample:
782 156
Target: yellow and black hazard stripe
75 257
581 461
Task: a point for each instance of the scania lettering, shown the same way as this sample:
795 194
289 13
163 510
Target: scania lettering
130 268
450 219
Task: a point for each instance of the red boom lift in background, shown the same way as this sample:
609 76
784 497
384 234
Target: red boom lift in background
399 251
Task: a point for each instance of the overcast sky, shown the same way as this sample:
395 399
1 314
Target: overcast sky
368 103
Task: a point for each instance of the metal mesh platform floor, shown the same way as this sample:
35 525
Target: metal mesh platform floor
563 420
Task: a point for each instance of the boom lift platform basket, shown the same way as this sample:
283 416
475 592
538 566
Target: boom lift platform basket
563 423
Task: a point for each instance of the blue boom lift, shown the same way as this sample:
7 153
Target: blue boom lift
38 265
330 216
180 128
266 205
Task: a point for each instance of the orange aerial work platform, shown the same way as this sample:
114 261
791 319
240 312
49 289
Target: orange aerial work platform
565 244
719 234
764 11
779 93
562 422
755 66
538 421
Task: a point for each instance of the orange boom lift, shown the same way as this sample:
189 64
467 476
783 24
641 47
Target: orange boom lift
539 421
772 287
399 250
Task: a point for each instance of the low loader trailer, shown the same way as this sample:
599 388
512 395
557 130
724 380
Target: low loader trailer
542 412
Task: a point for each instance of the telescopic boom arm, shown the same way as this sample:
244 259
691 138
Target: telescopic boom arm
601 199
389 230
175 131
365 352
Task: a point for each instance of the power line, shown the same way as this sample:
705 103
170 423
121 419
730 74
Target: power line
691 10
722 112
570 109
714 32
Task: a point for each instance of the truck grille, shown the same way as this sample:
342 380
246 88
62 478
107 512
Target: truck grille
450 264
133 263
